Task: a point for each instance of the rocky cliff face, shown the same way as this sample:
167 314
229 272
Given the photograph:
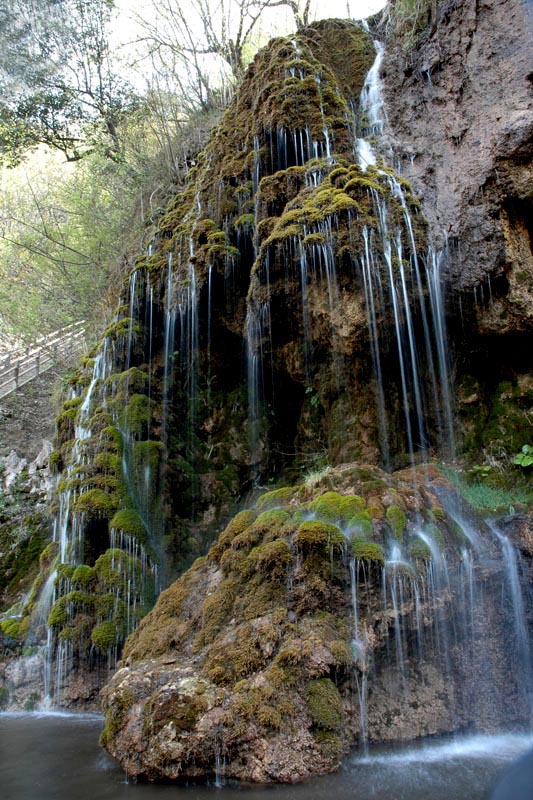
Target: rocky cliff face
459 105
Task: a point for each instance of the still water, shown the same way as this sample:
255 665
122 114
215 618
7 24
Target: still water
57 757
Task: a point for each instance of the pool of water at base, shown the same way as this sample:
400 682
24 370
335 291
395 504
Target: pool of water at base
57 757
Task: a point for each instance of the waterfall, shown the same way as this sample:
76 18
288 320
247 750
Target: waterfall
514 581
304 287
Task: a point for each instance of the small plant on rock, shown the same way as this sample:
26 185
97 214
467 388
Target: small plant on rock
524 458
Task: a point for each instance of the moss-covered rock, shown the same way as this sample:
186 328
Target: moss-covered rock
315 535
363 550
96 503
324 703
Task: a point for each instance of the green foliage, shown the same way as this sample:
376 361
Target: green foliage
60 87
480 471
482 496
524 459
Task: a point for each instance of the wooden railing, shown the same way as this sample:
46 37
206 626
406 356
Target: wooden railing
23 365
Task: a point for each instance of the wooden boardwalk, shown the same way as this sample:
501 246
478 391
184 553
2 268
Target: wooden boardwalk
23 365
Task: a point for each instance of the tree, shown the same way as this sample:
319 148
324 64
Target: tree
59 84
205 45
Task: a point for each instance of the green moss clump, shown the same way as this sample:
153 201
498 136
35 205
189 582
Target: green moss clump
315 535
105 635
16 627
270 559
83 575
58 613
111 566
96 503
122 327
276 499
324 704
111 439
240 523
397 521
419 551
363 550
132 381
55 461
216 608
128 521
74 403
106 461
361 524
244 221
337 508
275 518
135 416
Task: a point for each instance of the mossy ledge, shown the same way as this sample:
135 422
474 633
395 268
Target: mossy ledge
250 652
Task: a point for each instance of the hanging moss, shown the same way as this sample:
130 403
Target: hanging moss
59 612
324 704
123 327
104 636
360 524
276 499
240 522
83 575
337 508
135 416
131 381
314 535
110 567
96 503
396 520
107 461
364 550
65 571
16 628
129 522
147 453
271 559
75 403
55 461
420 551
